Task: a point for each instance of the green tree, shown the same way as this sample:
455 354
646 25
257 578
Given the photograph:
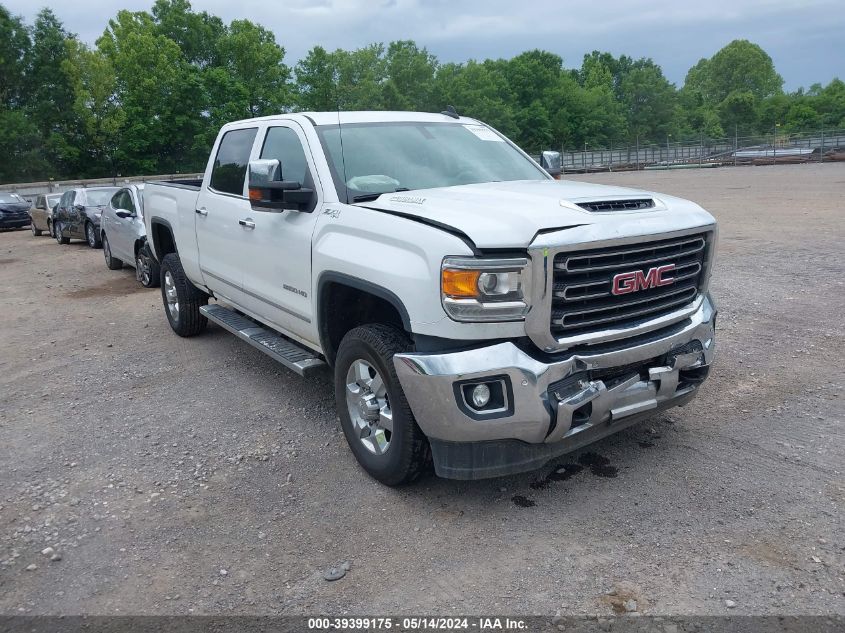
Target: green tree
649 100
739 110
160 93
255 62
198 35
49 94
20 148
360 78
409 77
14 52
316 81
479 90
100 116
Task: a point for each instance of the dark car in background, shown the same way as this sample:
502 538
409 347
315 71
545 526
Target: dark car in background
14 211
77 216
41 214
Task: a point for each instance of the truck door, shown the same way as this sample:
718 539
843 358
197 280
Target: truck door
277 259
221 239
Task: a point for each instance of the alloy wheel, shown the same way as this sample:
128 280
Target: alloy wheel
171 296
369 406
142 268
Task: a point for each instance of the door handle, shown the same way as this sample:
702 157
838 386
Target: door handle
247 224
202 211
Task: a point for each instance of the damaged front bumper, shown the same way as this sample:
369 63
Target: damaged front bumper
541 409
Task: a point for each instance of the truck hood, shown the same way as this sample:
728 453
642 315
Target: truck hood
511 214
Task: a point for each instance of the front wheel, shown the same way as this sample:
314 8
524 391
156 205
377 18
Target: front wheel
35 232
182 300
57 233
112 263
374 414
91 236
147 270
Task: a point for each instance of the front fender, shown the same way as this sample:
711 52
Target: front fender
398 257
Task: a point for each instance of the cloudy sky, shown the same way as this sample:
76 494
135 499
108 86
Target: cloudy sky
804 37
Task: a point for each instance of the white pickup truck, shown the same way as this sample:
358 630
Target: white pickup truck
477 313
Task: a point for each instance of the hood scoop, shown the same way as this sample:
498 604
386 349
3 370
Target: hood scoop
634 204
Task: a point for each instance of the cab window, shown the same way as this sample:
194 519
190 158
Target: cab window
229 170
283 144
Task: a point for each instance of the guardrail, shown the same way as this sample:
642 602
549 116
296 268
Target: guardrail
32 189
822 146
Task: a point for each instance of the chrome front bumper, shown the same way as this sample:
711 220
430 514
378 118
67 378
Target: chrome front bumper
561 404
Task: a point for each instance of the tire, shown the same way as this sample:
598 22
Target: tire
112 263
147 270
50 229
406 454
186 320
57 232
91 236
35 232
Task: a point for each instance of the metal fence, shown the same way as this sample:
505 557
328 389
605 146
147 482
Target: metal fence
821 146
32 189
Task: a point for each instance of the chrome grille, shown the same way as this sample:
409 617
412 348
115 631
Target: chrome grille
582 300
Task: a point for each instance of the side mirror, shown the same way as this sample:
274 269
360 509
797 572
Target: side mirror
79 207
268 192
550 161
123 213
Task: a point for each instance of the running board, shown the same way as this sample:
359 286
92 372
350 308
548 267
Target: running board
301 360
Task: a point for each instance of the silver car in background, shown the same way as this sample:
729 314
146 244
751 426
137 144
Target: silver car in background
124 236
41 214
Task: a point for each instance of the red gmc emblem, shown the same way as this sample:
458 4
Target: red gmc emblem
624 283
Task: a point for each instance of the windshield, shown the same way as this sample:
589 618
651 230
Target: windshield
11 198
100 197
53 199
383 157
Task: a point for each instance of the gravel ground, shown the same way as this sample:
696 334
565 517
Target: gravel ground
175 476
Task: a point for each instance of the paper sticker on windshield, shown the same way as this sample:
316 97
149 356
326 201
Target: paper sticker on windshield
484 133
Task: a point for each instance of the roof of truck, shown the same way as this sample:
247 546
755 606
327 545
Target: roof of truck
364 116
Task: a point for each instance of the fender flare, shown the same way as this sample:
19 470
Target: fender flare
151 238
331 276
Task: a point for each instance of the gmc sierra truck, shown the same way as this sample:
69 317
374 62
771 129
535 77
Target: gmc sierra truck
476 313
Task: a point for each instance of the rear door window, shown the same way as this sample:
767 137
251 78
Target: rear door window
228 173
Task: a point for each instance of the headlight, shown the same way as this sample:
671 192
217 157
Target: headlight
484 289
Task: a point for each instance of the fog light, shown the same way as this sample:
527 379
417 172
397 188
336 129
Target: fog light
480 396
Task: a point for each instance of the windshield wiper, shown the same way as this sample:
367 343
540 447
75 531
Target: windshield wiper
367 197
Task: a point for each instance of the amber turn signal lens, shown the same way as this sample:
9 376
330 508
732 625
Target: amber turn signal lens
255 195
460 283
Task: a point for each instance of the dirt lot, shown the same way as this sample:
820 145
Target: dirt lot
195 476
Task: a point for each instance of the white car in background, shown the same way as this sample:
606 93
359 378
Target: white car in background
125 238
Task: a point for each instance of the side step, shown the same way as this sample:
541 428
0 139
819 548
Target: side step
301 360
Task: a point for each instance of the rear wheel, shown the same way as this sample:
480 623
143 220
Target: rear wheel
91 236
113 263
182 300
57 233
374 414
147 270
